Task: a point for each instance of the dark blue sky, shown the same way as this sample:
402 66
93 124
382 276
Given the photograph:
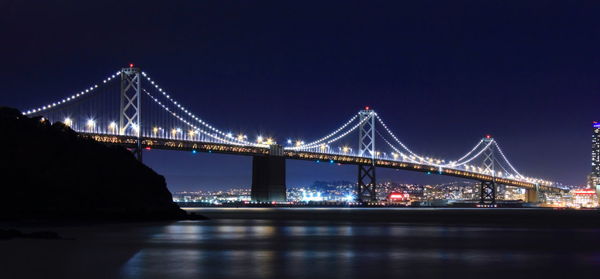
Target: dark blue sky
441 73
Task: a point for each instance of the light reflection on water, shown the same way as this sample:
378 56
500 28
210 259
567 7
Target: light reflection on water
301 249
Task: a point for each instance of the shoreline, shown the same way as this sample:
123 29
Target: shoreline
449 216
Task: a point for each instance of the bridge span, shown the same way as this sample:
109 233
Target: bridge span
130 109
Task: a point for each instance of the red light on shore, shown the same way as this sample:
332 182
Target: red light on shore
148 148
584 192
399 196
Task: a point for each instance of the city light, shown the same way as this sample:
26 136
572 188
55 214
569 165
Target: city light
311 197
68 121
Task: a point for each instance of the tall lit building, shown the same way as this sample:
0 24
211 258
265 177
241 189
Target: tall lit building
594 178
596 149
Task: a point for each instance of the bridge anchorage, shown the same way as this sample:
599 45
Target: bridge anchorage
138 114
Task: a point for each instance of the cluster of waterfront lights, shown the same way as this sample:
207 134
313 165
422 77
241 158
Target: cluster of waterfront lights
310 196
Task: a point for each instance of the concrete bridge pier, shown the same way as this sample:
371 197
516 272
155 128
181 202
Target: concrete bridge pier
531 195
268 179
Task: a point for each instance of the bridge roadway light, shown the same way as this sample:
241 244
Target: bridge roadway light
91 123
259 139
68 122
112 126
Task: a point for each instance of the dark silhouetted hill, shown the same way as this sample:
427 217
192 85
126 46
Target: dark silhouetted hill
46 170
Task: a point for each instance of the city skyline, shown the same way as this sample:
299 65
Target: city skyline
466 83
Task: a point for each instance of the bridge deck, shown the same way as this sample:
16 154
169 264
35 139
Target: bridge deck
185 145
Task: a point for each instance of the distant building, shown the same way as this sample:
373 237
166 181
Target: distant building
594 177
596 149
584 198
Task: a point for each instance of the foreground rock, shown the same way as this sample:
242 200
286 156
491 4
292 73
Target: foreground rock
10 234
47 171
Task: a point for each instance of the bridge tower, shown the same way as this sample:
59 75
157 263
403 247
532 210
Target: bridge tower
130 110
366 147
488 189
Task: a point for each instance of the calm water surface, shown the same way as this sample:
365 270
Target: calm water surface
315 249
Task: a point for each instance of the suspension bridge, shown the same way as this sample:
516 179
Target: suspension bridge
130 109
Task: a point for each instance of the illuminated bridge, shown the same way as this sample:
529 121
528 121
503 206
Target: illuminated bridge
130 109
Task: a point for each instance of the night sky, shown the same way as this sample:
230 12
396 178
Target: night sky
441 73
